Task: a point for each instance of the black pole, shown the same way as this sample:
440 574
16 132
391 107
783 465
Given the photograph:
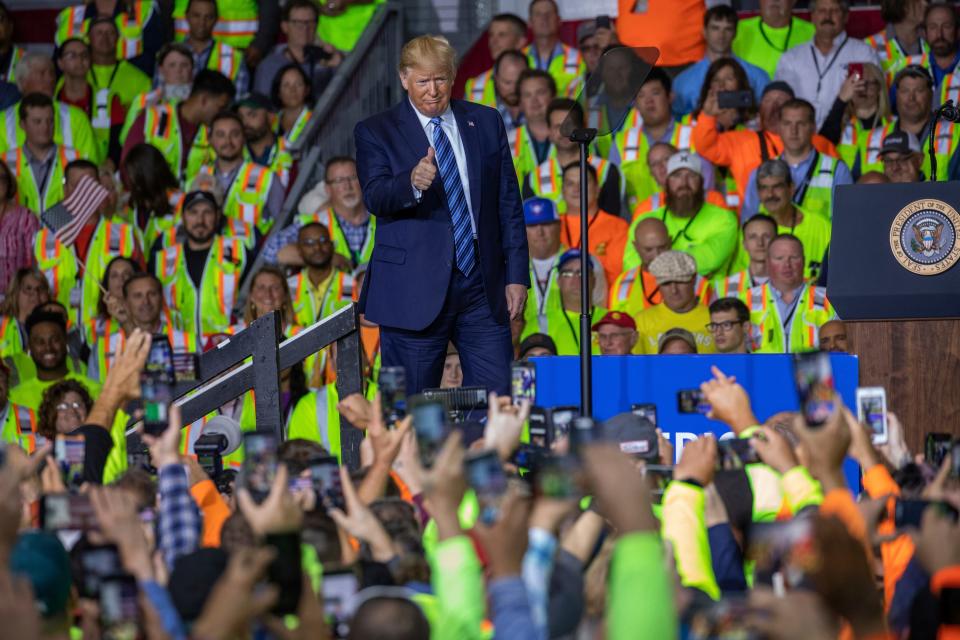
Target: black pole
583 137
930 147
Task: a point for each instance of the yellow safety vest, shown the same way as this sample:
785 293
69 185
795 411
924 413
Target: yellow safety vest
15 57
564 327
71 23
225 59
818 197
280 160
522 150
565 65
20 427
315 418
328 218
480 89
61 265
336 294
546 180
859 148
206 309
247 195
71 128
237 22
161 128
892 56
732 286
11 337
299 126
627 293
632 147
39 198
104 348
810 311
541 300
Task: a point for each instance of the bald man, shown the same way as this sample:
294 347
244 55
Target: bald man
636 289
833 336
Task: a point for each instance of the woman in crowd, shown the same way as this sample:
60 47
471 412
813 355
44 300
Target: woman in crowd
154 193
859 120
64 407
18 226
726 75
291 95
26 290
111 311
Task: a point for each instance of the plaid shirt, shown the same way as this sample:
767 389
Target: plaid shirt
179 520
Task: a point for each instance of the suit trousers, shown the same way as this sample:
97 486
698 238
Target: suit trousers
485 347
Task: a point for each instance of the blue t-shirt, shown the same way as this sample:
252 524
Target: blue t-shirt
686 86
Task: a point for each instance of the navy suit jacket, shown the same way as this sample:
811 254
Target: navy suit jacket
413 253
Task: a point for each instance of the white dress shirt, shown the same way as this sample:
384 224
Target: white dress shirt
449 127
817 78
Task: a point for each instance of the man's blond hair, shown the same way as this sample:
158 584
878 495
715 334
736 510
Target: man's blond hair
430 53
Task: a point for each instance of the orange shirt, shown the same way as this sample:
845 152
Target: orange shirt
608 238
740 149
675 27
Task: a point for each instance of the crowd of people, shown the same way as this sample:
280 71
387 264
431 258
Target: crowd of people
709 213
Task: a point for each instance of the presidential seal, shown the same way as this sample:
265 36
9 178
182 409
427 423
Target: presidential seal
923 237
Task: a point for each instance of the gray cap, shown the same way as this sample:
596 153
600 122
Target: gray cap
676 333
900 142
673 266
586 29
636 436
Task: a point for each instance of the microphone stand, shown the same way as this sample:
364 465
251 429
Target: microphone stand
584 137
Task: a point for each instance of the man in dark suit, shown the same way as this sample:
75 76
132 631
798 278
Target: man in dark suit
450 258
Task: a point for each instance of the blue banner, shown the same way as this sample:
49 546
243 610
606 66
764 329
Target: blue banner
621 381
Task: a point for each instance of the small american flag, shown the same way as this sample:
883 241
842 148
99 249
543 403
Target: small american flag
67 218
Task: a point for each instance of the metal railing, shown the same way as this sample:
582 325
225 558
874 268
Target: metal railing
365 83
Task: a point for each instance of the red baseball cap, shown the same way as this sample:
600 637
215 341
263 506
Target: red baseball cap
617 319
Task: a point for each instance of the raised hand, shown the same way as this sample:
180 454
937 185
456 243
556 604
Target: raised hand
425 172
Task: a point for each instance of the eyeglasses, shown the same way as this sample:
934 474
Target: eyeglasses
344 180
76 55
315 242
726 325
66 406
570 274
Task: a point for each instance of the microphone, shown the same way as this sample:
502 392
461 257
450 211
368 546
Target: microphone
949 111
220 436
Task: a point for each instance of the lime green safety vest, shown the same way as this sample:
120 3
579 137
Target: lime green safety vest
818 196
15 57
546 180
627 292
336 295
480 89
20 427
149 99
122 78
811 310
71 24
280 160
225 59
61 266
205 310
316 410
632 146
329 219
733 286
71 129
344 30
565 65
237 22
11 337
247 195
99 116
564 327
161 128
945 143
522 151
859 148
299 126
892 56
105 348
541 300
39 198
950 88
813 233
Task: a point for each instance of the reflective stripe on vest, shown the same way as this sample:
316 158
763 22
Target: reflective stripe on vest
478 86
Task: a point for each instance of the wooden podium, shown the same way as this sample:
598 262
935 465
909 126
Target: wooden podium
894 278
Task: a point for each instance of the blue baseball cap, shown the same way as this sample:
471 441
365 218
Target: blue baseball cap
539 211
572 254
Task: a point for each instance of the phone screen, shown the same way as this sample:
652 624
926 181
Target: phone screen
909 513
98 563
558 477
855 69
486 477
66 511
560 420
523 382
815 386
393 394
735 453
156 385
872 411
119 608
429 426
259 463
734 99
658 476
936 446
325 480
692 401
338 588
69 452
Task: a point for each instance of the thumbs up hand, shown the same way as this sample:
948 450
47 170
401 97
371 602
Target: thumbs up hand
424 173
